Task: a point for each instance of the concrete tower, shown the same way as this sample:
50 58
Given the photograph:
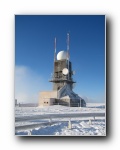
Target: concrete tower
62 80
62 74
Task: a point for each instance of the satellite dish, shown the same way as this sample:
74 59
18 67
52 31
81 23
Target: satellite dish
73 72
65 71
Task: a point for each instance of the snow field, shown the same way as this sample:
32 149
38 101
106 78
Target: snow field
64 126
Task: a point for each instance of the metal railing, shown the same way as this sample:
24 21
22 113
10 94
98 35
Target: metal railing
50 121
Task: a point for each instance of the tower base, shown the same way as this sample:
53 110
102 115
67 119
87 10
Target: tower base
64 96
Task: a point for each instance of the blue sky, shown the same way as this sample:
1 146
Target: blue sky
34 52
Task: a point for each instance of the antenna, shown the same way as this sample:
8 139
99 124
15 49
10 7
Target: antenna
68 57
68 46
55 50
54 57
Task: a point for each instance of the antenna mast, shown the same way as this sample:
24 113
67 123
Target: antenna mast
68 57
54 57
55 51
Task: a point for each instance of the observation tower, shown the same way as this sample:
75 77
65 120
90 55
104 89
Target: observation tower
63 82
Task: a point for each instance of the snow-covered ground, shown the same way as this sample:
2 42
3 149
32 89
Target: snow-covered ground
78 126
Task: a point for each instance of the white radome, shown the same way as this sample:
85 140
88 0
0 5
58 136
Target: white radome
62 55
65 71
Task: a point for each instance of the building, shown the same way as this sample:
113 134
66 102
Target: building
63 82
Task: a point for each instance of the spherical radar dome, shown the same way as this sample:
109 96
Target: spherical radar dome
62 55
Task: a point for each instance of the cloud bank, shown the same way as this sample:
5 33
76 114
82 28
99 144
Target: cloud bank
28 84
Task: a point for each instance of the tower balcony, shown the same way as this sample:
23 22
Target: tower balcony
70 80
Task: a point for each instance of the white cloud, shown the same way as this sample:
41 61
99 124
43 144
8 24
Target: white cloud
28 84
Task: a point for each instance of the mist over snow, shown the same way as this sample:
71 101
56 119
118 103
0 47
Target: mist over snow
28 84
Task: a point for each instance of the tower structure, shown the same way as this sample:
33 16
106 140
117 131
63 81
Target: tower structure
62 79
63 82
62 69
62 74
